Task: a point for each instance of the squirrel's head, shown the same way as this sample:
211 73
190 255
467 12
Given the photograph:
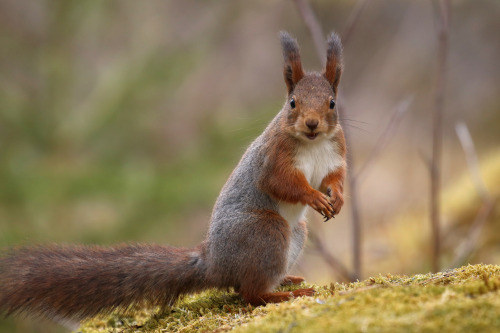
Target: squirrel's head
310 110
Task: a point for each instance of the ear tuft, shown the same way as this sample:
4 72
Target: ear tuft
334 46
292 70
333 69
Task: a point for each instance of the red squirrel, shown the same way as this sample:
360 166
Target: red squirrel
257 228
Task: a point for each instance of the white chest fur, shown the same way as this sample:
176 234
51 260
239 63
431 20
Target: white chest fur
316 160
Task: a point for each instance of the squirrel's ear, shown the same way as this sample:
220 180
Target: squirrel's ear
333 69
293 67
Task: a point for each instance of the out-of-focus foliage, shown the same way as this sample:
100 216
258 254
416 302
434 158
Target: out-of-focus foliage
121 120
405 235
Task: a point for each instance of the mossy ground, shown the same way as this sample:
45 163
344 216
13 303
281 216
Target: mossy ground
461 300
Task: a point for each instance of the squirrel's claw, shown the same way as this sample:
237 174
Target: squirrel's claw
327 218
330 215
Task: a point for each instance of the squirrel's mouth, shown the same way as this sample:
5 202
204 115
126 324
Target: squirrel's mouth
311 135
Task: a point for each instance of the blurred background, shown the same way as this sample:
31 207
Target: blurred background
121 120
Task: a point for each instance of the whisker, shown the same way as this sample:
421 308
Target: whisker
358 128
354 120
352 126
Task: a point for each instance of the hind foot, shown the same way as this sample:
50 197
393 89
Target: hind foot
290 279
280 296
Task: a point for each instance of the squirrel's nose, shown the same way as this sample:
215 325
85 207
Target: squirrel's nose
312 124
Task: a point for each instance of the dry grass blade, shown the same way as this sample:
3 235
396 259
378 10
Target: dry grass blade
467 246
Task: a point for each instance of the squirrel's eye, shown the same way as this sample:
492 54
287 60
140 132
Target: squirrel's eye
292 103
332 103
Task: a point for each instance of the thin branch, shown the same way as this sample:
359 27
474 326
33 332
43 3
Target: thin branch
312 23
385 137
355 210
355 205
467 246
472 161
314 27
425 160
337 267
352 21
437 133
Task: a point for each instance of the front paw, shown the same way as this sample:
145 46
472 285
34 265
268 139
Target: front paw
321 203
336 198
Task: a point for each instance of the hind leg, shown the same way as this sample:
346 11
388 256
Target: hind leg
291 279
299 236
256 294
273 254
297 240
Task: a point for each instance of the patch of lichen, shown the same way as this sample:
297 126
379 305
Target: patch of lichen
461 300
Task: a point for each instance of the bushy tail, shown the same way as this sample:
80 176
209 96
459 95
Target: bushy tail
76 282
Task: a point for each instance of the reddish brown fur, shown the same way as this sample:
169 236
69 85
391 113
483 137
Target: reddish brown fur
282 296
291 279
284 182
332 70
280 178
334 186
311 104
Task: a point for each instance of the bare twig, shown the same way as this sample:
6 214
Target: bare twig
337 267
467 246
353 20
314 27
357 240
385 137
316 31
470 154
437 133
355 205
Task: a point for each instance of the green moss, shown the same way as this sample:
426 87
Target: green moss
462 300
